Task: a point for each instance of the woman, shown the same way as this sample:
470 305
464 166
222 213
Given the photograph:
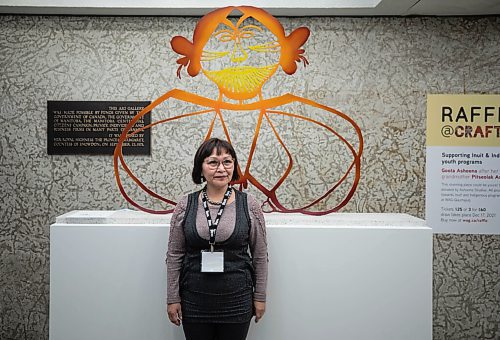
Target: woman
214 284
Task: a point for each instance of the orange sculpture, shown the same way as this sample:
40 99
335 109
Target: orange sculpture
239 56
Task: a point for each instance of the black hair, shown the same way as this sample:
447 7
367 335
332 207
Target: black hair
205 150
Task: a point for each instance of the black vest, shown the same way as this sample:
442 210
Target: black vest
217 297
236 256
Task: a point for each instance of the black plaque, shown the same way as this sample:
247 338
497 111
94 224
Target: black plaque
82 127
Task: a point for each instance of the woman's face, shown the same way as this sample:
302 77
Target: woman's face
218 169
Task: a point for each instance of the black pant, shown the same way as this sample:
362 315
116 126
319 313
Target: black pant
216 331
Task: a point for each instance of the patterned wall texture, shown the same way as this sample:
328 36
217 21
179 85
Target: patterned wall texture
377 70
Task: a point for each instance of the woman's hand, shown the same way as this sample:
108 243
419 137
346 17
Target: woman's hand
260 309
174 313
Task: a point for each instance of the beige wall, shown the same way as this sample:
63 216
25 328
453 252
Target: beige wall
376 70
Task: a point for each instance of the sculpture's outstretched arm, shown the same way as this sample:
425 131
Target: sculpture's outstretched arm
119 160
353 147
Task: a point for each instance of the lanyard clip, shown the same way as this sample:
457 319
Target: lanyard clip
211 247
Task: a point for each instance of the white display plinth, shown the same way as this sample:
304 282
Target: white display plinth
341 276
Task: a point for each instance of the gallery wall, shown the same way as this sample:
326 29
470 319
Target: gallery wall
376 70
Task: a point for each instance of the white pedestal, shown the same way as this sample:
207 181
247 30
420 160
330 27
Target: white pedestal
341 276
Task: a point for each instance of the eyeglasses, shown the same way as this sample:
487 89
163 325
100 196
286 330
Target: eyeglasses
213 164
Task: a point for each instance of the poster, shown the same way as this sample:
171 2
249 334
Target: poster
463 164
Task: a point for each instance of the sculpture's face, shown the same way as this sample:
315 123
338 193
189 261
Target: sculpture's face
240 57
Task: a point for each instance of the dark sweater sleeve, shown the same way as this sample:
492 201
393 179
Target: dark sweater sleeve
258 248
176 251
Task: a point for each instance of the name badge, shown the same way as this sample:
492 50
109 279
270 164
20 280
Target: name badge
212 262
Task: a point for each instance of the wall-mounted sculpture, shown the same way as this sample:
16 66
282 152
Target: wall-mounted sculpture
240 55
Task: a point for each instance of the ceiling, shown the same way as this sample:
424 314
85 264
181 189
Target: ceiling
276 7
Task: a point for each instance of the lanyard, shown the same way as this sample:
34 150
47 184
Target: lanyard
212 226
